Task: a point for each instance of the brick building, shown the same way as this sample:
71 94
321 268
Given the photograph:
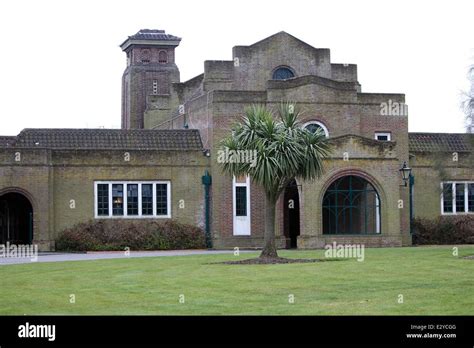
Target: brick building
153 167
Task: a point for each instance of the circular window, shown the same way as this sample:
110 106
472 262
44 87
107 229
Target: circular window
283 74
315 126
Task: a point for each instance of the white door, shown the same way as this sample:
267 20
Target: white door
241 206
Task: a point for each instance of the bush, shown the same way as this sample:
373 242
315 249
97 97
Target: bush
444 230
98 235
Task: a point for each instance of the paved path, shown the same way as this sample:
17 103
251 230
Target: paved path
60 257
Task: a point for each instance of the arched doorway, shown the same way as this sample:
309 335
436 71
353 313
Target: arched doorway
351 205
291 214
16 219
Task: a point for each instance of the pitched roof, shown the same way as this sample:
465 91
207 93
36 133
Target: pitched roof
107 139
7 140
151 37
431 142
153 34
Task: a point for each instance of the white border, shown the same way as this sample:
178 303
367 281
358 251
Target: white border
466 196
387 134
325 129
139 216
248 230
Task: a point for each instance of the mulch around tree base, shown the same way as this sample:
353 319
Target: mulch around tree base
267 261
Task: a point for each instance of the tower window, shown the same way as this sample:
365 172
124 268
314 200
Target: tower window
283 73
145 56
162 57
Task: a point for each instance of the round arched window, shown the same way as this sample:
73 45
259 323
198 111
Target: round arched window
351 205
315 126
163 57
283 74
145 55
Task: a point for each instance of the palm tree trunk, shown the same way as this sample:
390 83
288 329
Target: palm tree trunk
269 249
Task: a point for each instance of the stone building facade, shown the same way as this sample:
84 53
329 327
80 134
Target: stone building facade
153 167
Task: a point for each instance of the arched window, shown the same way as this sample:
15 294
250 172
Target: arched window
145 56
162 57
283 73
351 205
314 126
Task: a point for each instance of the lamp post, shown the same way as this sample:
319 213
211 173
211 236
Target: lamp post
409 179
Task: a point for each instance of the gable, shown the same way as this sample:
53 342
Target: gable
360 147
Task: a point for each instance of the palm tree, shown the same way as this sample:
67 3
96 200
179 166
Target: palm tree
284 150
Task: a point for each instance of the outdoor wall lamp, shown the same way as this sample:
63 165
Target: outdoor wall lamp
408 179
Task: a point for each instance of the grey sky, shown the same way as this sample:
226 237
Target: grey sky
62 65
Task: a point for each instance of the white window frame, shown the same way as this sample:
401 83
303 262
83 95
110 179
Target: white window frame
244 227
125 212
466 196
325 129
387 134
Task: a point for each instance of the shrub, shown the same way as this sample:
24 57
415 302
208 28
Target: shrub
98 235
444 230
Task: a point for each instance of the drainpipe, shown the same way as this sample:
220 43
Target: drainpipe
411 184
207 181
30 228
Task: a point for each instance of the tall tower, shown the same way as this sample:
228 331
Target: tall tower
150 71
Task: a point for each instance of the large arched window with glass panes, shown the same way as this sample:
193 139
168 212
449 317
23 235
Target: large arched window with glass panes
351 205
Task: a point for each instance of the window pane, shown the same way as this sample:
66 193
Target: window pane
147 199
132 199
470 197
282 74
447 198
241 201
161 199
382 137
460 197
117 199
351 205
103 199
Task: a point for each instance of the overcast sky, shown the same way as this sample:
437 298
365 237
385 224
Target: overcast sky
62 65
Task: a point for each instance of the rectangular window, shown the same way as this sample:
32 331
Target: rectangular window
241 201
460 198
103 199
447 198
117 199
457 197
147 199
470 198
161 199
385 136
132 199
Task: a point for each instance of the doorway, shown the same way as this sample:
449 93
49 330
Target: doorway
291 215
16 219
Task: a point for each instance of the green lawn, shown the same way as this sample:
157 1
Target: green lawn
431 280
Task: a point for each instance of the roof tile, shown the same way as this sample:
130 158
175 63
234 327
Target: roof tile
103 139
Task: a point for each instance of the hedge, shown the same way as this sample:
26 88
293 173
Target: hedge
444 230
100 235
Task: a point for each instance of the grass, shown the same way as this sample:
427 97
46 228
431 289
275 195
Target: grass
431 280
